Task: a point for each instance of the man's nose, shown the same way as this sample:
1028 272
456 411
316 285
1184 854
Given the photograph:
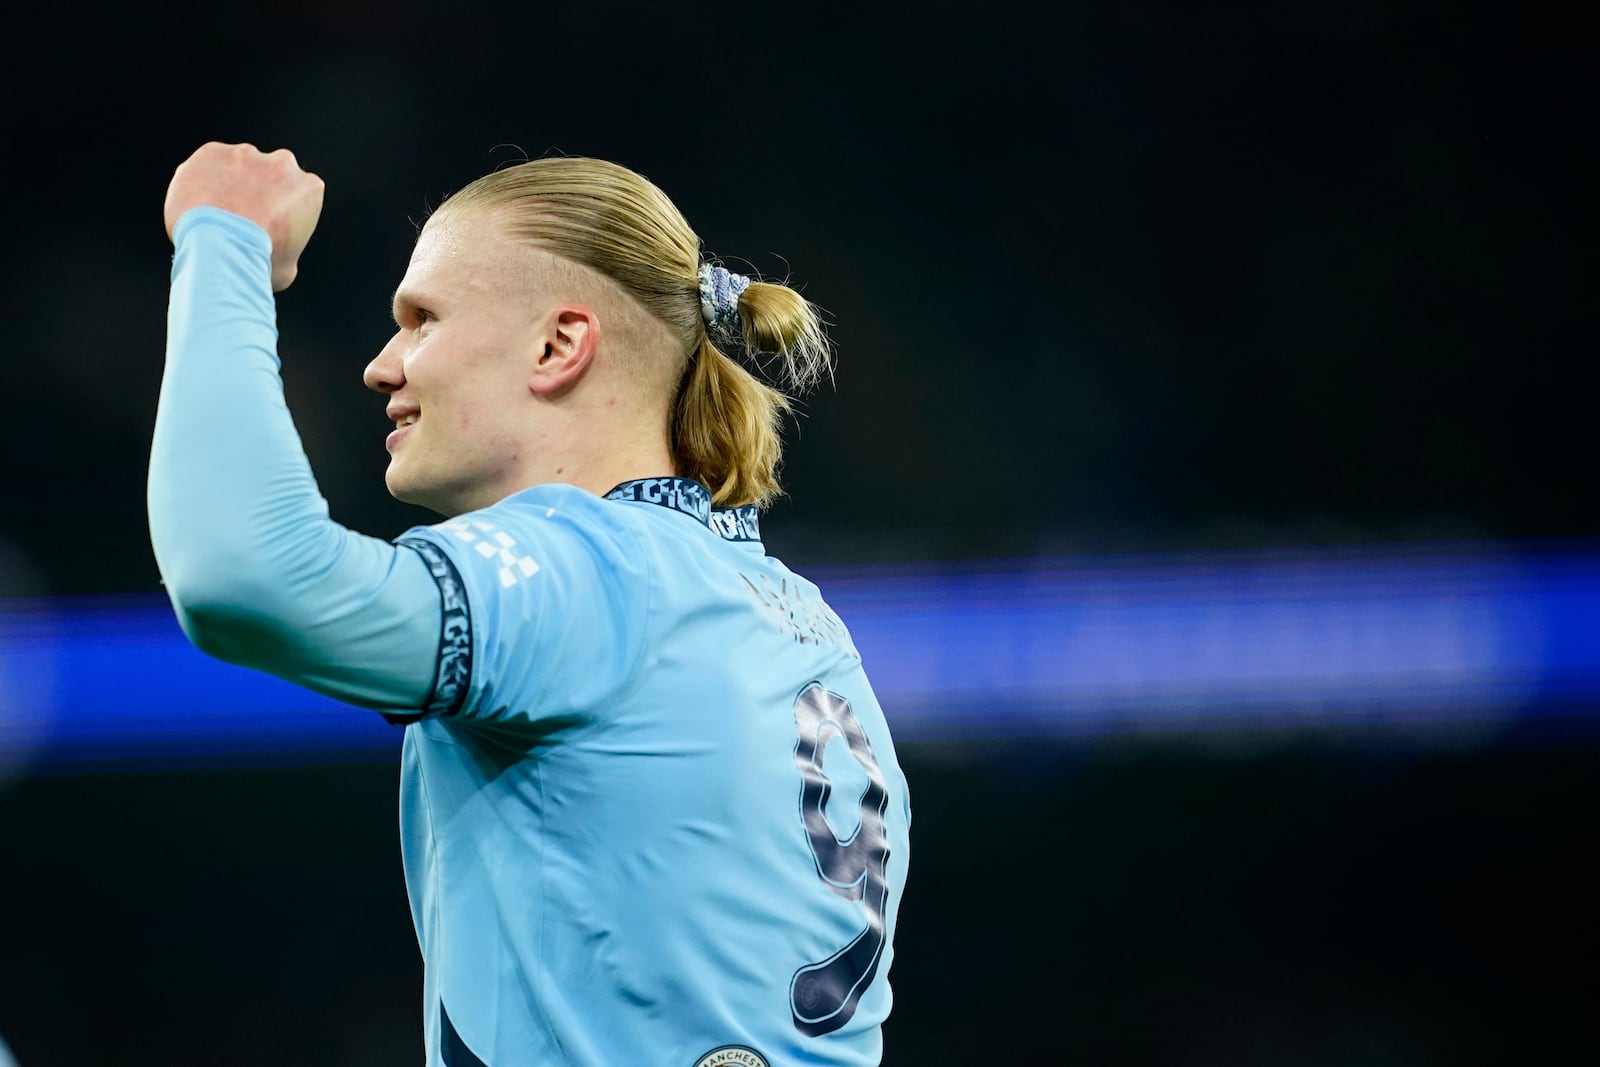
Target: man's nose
384 374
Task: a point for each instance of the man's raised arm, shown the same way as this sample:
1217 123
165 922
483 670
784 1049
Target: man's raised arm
258 573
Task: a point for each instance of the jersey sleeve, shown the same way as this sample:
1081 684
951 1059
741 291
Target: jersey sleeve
257 572
546 599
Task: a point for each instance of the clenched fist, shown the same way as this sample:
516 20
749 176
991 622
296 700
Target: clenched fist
268 188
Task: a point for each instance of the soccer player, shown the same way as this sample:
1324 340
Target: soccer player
650 809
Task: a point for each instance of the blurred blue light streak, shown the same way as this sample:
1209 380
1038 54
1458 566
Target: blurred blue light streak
1048 647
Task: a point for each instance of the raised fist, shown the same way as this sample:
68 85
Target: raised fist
268 188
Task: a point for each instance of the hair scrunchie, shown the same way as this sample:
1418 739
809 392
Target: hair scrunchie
719 296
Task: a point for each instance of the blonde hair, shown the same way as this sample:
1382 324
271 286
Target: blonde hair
724 420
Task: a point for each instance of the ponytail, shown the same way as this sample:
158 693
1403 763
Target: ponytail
725 423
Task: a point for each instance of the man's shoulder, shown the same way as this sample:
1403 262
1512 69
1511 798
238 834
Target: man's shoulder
532 529
651 530
545 507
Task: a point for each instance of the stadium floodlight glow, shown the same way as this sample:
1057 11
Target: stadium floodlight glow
1485 634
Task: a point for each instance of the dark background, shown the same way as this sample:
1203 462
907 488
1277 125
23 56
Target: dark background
1104 277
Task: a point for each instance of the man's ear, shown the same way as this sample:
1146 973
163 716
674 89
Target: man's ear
570 339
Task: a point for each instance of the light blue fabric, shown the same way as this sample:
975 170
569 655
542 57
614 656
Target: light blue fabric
649 807
257 571
606 839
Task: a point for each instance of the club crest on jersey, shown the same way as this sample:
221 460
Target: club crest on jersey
732 1056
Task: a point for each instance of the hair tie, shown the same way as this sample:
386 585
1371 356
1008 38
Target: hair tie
719 296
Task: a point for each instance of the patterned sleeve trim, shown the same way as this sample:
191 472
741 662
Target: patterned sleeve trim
453 675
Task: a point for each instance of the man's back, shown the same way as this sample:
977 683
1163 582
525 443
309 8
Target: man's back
666 815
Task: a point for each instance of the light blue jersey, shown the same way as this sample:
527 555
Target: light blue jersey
650 808
621 829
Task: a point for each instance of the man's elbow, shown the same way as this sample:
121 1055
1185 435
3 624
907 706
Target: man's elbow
222 616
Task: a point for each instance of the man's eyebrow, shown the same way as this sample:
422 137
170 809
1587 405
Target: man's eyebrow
403 300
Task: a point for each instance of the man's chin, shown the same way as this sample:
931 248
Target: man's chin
408 492
402 489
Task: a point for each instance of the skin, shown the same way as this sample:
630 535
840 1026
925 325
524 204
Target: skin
510 358
269 188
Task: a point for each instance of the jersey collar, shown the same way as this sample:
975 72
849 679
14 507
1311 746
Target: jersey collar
693 499
679 494
737 524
